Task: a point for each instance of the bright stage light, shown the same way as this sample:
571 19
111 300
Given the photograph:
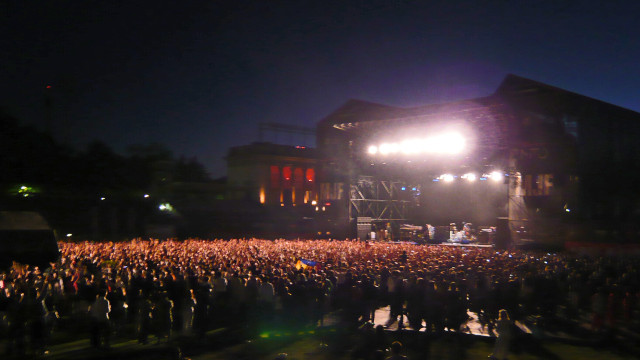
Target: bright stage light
411 147
384 149
470 177
446 143
496 176
447 177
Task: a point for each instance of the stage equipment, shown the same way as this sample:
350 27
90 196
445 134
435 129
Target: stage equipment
496 176
364 227
377 199
447 143
469 177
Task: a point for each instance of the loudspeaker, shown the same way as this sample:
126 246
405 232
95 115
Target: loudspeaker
503 233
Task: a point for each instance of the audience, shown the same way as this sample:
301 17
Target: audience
169 288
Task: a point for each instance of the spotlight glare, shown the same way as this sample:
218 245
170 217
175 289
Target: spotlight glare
447 177
496 176
384 149
446 143
410 147
470 177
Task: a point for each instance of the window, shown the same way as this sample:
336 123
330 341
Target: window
311 175
286 177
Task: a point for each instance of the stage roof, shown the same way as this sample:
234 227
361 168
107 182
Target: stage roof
514 91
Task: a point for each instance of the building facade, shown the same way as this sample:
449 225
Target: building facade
272 174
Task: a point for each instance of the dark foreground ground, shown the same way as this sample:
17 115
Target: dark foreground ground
221 344
333 341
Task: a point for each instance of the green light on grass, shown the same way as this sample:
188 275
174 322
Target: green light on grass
25 190
264 335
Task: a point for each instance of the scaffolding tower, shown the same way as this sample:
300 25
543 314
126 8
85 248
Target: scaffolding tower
380 200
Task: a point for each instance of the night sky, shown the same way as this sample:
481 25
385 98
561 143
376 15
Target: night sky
199 76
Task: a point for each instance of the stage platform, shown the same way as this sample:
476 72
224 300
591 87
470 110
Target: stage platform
467 245
440 244
472 326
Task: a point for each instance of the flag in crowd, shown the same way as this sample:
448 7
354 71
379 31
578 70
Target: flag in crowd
305 264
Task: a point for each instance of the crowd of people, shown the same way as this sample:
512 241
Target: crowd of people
166 288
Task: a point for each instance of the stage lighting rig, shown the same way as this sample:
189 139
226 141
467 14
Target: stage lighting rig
471 177
446 143
496 176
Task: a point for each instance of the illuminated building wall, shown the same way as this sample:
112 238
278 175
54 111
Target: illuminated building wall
272 174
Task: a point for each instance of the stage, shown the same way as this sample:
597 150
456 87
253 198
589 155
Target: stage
431 244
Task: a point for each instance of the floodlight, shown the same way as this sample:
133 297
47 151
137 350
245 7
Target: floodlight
496 176
445 143
447 177
384 149
470 177
410 146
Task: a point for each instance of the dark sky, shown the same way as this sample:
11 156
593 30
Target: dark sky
199 76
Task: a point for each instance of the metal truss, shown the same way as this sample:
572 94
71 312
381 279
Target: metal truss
518 213
377 199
